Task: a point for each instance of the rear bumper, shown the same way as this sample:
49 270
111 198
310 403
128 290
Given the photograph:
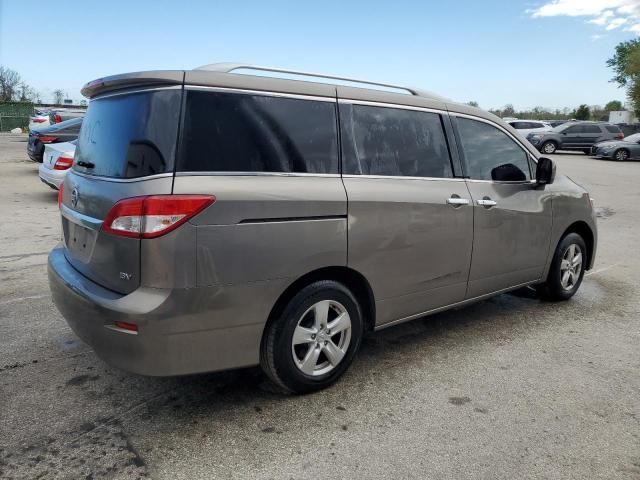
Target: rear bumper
53 178
180 331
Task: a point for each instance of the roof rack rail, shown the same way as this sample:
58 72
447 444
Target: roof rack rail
230 67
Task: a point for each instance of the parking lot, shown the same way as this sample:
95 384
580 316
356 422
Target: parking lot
508 388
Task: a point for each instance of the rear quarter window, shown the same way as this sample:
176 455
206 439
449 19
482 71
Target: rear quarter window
234 132
129 135
612 129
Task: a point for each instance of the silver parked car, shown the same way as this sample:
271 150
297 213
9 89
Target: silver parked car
621 150
214 220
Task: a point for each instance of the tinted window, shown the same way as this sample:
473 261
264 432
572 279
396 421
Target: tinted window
519 125
490 154
591 129
393 141
129 135
573 129
230 132
612 128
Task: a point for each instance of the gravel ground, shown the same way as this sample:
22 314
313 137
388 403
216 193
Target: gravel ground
508 388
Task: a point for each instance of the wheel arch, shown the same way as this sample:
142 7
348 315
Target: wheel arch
584 230
349 277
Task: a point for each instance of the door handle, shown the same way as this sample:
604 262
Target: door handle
486 202
457 201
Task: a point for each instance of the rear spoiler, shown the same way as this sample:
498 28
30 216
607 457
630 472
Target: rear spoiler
136 79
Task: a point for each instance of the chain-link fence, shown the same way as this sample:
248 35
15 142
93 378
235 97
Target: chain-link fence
15 114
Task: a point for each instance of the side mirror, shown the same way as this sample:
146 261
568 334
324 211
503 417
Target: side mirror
546 171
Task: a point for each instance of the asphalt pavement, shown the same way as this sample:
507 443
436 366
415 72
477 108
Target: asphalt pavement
509 388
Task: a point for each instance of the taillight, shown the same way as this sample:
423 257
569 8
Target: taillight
129 327
63 163
154 215
57 118
39 120
620 136
60 194
47 138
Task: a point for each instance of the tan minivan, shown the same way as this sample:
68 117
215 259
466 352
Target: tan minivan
215 220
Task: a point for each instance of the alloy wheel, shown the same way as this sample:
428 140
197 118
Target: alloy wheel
571 266
321 338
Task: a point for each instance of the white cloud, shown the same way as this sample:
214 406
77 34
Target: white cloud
610 14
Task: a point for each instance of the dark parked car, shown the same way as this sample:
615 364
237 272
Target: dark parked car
557 123
66 131
621 150
575 136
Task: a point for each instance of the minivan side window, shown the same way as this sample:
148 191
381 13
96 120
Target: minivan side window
393 142
234 132
490 154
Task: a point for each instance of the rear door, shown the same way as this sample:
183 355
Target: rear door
410 217
512 217
591 133
126 148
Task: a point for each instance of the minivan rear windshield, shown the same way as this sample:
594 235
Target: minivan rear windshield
129 135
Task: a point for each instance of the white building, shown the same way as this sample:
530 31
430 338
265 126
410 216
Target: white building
623 116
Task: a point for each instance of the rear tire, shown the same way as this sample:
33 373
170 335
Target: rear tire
567 269
549 147
314 339
587 151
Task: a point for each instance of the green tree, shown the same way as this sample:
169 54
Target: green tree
614 106
626 68
473 103
582 113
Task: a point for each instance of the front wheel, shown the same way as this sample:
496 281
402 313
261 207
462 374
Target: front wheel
567 269
621 155
549 147
314 340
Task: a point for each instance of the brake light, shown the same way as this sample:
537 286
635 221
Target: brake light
57 118
47 138
63 163
130 327
60 194
620 136
153 216
39 120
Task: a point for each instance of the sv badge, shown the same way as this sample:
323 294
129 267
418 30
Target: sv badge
126 276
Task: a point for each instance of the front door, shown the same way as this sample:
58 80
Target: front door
512 216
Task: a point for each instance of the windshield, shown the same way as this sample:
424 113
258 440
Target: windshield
129 135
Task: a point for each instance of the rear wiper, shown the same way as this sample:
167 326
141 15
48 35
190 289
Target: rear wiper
84 164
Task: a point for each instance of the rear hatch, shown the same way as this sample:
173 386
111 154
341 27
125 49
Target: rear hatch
126 148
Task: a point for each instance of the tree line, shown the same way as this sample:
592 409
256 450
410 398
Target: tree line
583 112
13 89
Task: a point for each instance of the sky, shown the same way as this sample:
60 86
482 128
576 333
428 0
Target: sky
528 53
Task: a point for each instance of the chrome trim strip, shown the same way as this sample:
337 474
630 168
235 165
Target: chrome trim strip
267 93
138 90
349 101
398 177
255 174
452 305
526 182
80 218
122 180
